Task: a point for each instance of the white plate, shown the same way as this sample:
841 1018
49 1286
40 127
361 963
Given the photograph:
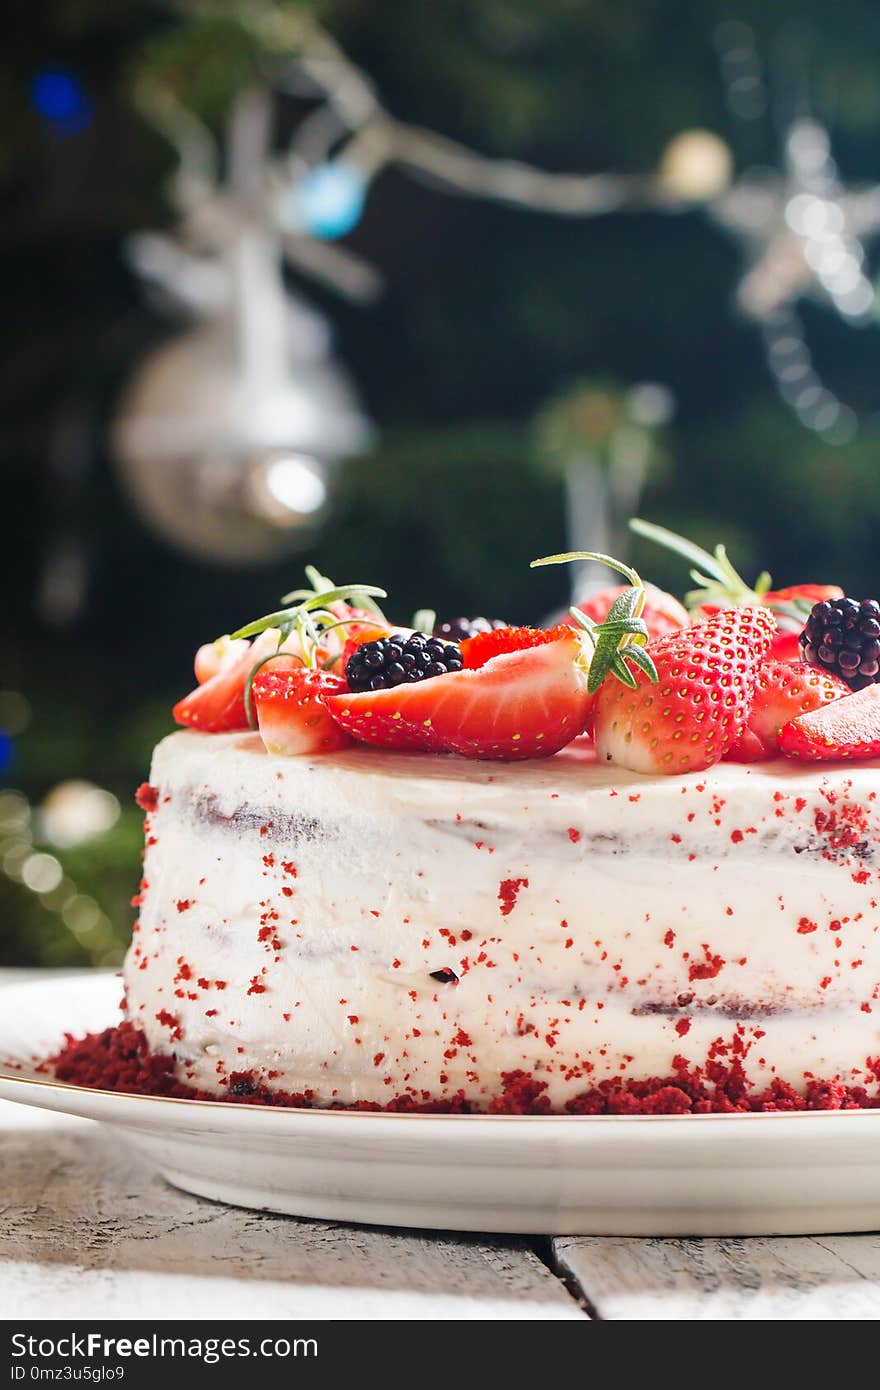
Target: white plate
784 1174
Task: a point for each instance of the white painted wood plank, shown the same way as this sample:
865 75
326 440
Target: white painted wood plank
16 975
783 1278
85 1230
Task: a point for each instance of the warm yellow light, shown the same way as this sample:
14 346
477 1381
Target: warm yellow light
696 166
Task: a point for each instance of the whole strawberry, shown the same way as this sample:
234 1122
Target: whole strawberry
700 704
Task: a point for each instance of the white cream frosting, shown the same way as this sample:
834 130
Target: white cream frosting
600 923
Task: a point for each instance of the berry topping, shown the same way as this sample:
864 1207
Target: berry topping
521 704
218 705
400 659
784 691
700 704
476 651
843 635
848 728
459 629
662 613
311 631
720 587
291 711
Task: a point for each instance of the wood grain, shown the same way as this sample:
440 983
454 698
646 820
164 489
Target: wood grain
85 1230
792 1278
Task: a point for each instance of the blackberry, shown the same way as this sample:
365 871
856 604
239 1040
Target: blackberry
843 636
457 629
399 660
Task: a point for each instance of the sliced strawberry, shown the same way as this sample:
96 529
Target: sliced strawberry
783 691
844 730
662 613
700 705
521 704
476 651
292 712
218 705
218 656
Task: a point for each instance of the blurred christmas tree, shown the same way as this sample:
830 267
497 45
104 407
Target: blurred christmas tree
487 313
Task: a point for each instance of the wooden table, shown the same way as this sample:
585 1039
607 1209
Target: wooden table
87 1231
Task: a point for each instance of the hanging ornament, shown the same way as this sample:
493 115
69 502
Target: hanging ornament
328 202
229 435
234 460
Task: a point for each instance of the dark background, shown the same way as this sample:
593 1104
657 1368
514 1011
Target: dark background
489 311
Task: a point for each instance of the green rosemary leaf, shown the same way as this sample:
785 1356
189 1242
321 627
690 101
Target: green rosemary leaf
297 595
629 627
621 671
797 609
624 606
763 582
585 623
319 582
670 541
342 593
573 555
261 624
603 659
737 587
582 618
643 660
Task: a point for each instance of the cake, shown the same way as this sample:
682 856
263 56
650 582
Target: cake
375 927
626 863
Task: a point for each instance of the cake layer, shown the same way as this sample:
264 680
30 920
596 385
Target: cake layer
364 925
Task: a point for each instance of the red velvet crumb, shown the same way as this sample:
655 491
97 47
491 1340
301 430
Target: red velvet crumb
147 797
118 1059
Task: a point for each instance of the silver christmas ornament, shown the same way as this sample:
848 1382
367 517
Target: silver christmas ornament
228 436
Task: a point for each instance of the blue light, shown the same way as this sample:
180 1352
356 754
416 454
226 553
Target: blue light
57 96
330 200
7 751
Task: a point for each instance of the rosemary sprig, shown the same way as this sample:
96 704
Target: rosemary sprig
285 618
715 577
310 616
623 634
